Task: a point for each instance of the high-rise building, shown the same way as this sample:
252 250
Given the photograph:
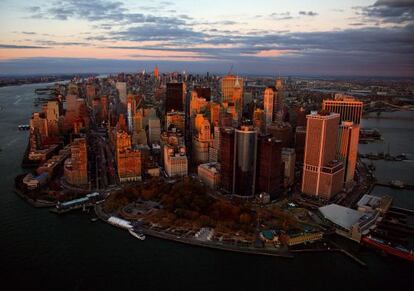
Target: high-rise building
322 174
215 113
300 139
203 92
176 119
39 122
202 139
279 100
214 150
175 97
197 104
259 120
269 97
52 116
156 72
245 153
122 92
229 85
281 131
76 167
128 160
154 130
348 139
289 160
348 108
269 165
227 158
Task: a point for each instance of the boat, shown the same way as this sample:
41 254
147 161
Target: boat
398 251
397 184
139 236
94 219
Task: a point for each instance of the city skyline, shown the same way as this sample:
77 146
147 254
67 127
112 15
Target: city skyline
359 38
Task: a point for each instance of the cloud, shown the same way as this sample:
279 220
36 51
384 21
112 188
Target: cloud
101 10
281 16
308 13
160 32
12 46
389 11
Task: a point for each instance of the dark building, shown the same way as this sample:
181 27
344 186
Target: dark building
175 97
269 165
227 158
244 178
203 92
281 131
300 139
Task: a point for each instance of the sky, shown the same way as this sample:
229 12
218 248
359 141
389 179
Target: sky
265 37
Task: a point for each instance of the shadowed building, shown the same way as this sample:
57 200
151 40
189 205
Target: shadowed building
269 165
226 158
175 97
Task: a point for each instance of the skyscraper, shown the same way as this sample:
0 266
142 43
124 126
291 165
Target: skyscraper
175 97
322 174
347 148
245 153
269 165
269 97
229 85
122 92
76 167
350 110
226 158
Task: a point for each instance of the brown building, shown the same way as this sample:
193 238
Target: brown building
259 120
322 174
175 97
269 165
269 98
300 138
76 167
281 131
348 108
229 85
128 161
203 92
227 158
347 150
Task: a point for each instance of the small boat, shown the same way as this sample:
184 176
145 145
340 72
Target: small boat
94 219
397 184
139 236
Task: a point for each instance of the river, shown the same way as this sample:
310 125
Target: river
42 250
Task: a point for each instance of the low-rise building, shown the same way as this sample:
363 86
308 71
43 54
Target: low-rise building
209 173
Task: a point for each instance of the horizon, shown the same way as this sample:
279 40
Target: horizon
364 38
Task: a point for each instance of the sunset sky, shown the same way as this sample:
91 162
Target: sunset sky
319 37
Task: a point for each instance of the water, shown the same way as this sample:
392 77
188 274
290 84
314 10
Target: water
42 250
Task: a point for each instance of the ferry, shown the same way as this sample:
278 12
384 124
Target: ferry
398 251
139 236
